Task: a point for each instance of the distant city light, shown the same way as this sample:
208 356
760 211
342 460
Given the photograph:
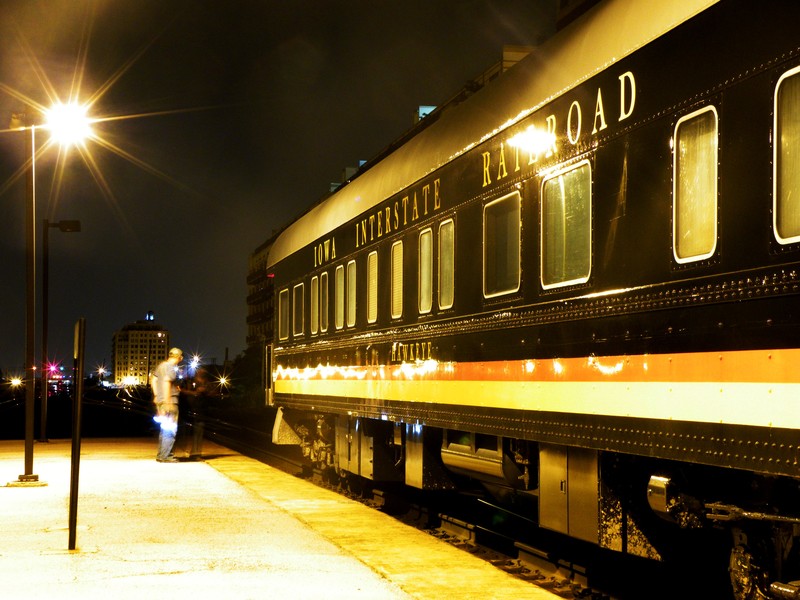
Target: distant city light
16 381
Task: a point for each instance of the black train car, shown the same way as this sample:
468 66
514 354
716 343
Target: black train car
581 286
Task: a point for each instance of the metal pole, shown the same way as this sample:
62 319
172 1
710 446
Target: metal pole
30 313
77 401
44 387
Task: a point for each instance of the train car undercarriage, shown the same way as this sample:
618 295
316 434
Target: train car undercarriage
630 504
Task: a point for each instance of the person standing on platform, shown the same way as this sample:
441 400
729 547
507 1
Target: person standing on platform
196 392
165 396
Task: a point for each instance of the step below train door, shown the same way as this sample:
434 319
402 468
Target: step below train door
568 491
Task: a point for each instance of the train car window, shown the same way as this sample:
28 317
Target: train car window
447 263
314 293
397 280
566 226
323 302
339 297
351 293
786 181
297 306
501 241
283 314
372 287
425 291
694 201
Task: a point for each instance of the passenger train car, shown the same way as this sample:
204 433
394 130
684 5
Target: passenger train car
580 287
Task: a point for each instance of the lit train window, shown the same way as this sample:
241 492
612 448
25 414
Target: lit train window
323 302
339 297
694 201
297 306
501 239
314 305
397 280
566 226
447 263
425 292
283 314
786 181
372 287
351 293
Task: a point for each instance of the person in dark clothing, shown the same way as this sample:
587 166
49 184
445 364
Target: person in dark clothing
196 392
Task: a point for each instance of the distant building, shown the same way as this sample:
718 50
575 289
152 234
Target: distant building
260 297
137 349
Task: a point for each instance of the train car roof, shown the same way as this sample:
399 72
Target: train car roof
607 33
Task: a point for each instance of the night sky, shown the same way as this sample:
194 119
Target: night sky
220 122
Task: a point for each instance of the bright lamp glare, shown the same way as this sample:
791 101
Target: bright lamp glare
68 123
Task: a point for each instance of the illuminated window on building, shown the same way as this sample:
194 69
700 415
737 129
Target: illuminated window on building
323 302
372 287
314 305
397 280
786 213
351 293
566 226
447 264
283 314
425 294
339 297
694 223
501 240
297 305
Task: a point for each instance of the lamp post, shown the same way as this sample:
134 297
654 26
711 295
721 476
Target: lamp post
66 227
30 296
68 125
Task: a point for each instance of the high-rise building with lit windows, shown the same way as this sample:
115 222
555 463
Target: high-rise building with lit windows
137 349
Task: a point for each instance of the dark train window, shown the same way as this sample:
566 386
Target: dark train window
397 280
339 297
786 193
501 240
694 201
566 226
447 263
351 293
323 302
297 309
372 287
283 314
314 293
425 293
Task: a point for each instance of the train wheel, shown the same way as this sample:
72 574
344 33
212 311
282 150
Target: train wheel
748 579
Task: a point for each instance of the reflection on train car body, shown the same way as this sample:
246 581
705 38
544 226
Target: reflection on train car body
580 288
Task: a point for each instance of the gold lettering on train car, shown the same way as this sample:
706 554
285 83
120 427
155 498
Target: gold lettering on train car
551 131
324 252
411 352
536 141
599 112
487 179
387 219
501 168
626 111
576 108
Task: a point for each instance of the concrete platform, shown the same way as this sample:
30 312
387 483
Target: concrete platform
225 527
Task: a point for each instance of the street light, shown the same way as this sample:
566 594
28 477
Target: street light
66 227
69 125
